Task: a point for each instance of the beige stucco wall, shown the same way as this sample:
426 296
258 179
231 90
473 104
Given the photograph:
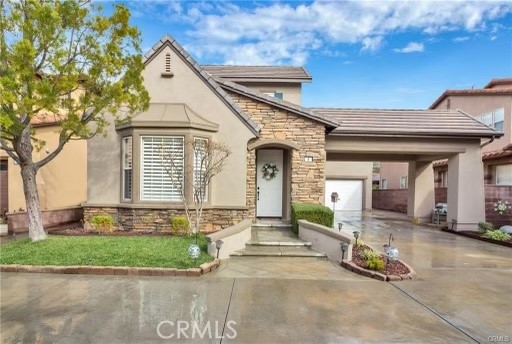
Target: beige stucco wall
185 86
61 183
353 170
477 104
291 92
392 172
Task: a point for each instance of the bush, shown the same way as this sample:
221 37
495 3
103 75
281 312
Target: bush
497 235
315 213
370 254
180 224
376 264
485 226
102 223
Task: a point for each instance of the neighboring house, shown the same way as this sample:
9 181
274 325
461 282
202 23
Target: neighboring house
62 183
309 146
491 105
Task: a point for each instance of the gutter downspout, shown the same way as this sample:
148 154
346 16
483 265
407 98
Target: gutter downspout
487 143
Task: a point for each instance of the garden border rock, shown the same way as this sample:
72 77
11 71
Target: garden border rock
112 270
377 275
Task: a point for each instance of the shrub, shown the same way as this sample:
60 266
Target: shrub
485 226
497 235
376 264
316 213
102 223
370 254
180 224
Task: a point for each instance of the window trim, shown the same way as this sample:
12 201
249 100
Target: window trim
123 169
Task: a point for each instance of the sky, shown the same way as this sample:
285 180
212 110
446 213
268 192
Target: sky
361 54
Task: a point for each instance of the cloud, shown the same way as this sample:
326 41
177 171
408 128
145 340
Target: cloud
280 32
412 47
372 44
461 39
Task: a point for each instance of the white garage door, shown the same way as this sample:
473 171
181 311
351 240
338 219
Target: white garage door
350 194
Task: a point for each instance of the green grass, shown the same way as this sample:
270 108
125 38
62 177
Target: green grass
166 252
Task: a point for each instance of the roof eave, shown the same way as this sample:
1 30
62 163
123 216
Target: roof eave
419 135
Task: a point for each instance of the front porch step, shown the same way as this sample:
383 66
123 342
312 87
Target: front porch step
278 251
279 243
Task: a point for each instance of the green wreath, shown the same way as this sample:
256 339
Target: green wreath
269 171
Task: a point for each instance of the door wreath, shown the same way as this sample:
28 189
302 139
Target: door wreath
269 171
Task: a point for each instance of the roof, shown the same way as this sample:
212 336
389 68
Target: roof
168 40
169 115
259 73
495 154
472 92
282 104
500 81
405 123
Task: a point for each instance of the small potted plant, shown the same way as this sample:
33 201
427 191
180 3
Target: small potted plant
3 226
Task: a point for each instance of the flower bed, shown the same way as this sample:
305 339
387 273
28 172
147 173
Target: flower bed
478 236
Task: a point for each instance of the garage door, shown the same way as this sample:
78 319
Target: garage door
350 193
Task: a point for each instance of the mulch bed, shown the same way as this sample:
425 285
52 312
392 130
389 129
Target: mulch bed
394 267
478 236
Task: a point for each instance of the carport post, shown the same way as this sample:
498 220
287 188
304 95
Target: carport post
421 197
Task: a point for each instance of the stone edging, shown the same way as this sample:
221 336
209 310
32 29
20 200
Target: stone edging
377 275
113 270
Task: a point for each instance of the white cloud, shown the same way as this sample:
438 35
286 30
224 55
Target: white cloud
372 44
412 47
461 39
275 32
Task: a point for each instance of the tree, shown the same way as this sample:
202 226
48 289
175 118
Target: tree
64 62
209 160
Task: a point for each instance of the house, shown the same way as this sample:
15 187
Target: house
62 183
309 147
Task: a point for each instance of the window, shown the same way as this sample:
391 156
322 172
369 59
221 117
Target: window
127 167
200 156
403 182
156 183
493 119
3 165
384 184
444 179
278 95
499 119
504 174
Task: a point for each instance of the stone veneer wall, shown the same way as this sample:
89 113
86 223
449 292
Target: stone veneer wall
143 219
307 178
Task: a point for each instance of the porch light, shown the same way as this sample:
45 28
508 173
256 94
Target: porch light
344 247
340 225
356 235
218 246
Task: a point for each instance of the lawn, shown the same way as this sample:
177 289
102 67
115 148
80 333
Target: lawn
167 252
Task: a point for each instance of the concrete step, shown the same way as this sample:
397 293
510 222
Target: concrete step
271 226
279 243
278 251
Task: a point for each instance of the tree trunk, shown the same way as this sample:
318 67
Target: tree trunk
35 219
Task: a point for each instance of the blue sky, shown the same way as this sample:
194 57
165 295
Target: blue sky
372 54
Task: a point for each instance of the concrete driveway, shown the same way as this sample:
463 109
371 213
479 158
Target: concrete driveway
462 295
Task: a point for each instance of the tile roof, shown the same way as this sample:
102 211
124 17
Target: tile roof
499 81
405 123
255 73
495 154
472 92
170 41
287 106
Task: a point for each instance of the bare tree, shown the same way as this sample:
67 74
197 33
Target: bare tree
209 160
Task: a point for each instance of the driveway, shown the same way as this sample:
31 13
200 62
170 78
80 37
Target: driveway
462 295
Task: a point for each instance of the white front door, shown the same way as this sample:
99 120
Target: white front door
269 189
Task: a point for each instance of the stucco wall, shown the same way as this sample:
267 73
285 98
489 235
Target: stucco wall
61 183
307 178
185 86
476 105
392 172
356 171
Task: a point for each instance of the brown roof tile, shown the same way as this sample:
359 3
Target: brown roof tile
499 81
238 73
472 92
406 123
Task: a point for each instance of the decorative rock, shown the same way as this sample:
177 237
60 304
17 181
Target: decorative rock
506 229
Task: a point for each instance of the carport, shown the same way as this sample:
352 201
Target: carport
419 137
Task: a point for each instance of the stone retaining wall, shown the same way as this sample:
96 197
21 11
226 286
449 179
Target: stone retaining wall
142 219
